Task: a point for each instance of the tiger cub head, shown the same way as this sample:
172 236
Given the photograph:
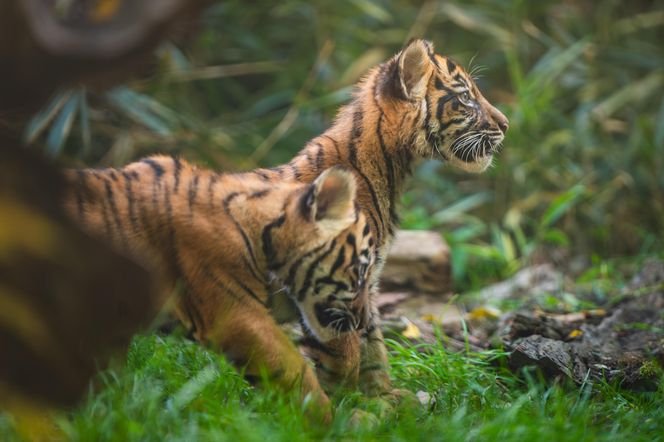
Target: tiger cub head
328 251
443 113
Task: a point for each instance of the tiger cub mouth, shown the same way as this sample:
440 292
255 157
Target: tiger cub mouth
473 146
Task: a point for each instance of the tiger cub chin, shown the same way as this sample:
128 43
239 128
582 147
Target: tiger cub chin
228 237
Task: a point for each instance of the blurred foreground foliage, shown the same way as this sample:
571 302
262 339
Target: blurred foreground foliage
582 171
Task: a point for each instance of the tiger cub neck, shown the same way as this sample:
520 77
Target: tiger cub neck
365 138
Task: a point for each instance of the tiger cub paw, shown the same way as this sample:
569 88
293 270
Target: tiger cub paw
363 419
393 401
401 398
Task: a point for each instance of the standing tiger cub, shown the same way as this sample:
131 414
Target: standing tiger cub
228 237
417 104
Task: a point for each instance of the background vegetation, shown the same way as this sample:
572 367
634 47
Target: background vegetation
581 82
580 180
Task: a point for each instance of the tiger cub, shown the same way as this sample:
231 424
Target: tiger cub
228 237
417 104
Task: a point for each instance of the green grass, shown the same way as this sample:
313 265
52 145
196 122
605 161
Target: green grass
173 389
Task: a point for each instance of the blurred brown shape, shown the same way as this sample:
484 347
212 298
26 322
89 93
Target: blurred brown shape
45 44
67 301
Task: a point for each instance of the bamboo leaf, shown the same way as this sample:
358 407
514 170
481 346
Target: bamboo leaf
460 207
62 125
39 122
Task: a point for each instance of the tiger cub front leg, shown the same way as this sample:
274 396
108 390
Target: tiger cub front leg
337 361
253 340
374 366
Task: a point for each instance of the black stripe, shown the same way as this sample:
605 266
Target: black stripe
427 115
177 168
258 194
145 222
339 261
310 271
440 107
389 164
211 183
247 243
79 194
262 174
356 133
336 146
387 174
193 191
458 77
266 236
195 316
279 170
105 219
320 159
306 202
114 210
450 65
310 157
339 286
296 171
441 86
247 290
210 276
433 59
131 207
173 253
298 263
372 367
158 169
451 121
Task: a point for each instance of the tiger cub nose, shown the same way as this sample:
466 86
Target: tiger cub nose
501 120
503 125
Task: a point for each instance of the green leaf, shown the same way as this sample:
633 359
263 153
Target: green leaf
143 110
453 212
62 125
39 122
372 9
556 237
561 205
488 252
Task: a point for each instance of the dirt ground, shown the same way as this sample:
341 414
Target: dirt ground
621 340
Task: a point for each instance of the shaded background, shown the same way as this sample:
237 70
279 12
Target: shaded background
581 173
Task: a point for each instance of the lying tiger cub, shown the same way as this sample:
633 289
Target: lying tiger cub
228 236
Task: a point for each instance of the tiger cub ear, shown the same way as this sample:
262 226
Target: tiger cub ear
331 198
413 65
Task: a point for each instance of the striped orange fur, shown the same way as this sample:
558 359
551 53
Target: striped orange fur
229 237
417 104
